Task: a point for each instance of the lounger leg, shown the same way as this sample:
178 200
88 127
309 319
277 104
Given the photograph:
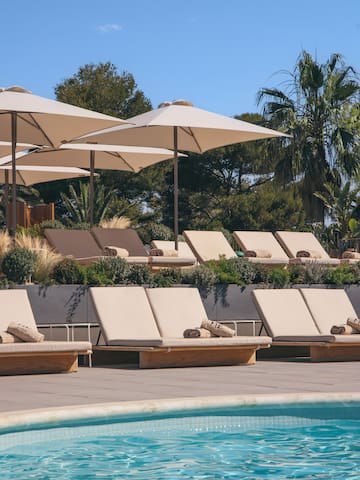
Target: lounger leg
196 358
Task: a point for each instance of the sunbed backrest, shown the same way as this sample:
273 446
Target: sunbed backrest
328 307
75 243
15 307
176 309
260 241
293 242
284 312
208 245
122 238
124 314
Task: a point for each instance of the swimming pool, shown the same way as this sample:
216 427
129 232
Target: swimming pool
303 438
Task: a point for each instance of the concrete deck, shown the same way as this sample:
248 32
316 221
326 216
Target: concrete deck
126 383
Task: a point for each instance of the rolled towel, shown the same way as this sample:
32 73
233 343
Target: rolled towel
341 330
354 322
158 252
25 333
6 337
308 254
217 329
352 255
197 333
111 251
258 253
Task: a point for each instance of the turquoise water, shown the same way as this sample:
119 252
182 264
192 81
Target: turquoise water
311 442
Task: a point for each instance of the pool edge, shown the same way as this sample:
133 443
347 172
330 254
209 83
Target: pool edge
27 418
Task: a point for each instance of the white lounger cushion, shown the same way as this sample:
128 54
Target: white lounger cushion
176 309
47 346
15 307
328 307
248 240
125 316
284 313
208 245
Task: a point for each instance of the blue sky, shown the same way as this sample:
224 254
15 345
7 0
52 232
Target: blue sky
217 54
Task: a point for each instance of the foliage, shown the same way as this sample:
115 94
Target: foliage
201 276
138 275
279 277
77 204
46 257
341 204
115 222
316 108
102 89
166 277
19 264
112 270
155 231
5 243
69 272
315 273
234 270
342 275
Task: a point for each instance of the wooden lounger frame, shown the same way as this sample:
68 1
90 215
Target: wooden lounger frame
163 357
21 363
327 351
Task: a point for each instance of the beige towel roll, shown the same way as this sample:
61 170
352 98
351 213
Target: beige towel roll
258 253
25 333
6 337
308 254
354 322
111 251
197 333
341 330
351 255
217 329
158 252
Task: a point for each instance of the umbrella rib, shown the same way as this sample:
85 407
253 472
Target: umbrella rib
117 155
38 127
189 132
18 172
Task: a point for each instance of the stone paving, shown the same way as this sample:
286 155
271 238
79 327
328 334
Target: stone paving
126 383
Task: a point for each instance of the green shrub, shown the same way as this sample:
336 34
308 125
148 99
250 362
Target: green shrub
234 270
138 275
342 275
279 277
297 274
155 231
18 265
68 272
314 273
166 277
201 276
115 269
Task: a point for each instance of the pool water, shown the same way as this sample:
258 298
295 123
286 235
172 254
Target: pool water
256 443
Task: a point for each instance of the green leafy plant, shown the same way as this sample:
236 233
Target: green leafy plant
18 265
68 272
166 277
342 275
234 270
155 231
201 276
138 275
107 270
279 277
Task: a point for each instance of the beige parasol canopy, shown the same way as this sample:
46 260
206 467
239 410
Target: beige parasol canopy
180 126
108 157
5 148
28 118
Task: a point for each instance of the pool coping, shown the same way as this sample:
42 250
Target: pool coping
27 418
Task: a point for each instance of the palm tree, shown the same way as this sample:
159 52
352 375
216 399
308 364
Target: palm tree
315 108
341 203
77 204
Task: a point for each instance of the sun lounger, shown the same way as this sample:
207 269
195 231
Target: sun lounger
208 245
33 357
76 244
129 240
264 245
297 244
152 323
289 321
